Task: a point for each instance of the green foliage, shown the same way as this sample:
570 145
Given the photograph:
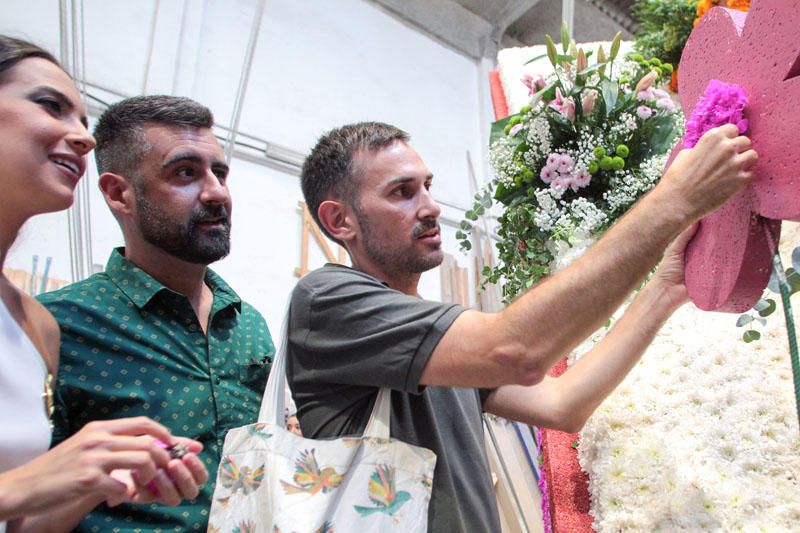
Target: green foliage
665 26
766 306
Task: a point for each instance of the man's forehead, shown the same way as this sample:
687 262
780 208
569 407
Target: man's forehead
391 162
168 140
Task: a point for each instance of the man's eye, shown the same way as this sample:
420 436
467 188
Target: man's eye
50 104
185 172
401 191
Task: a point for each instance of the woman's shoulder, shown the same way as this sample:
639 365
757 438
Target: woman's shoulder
37 323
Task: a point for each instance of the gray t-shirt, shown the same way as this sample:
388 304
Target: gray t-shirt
350 334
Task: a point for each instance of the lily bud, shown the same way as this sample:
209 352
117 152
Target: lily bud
646 82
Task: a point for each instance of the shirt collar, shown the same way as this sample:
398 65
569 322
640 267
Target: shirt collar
141 287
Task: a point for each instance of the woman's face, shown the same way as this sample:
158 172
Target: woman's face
43 138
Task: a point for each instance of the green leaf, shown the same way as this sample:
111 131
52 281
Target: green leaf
480 210
497 129
793 278
537 58
547 92
773 282
552 54
564 37
751 335
591 68
610 92
765 307
460 235
743 320
466 226
471 215
466 246
575 445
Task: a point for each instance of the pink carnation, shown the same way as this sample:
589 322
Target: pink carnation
581 179
548 174
644 112
514 129
553 159
565 164
722 104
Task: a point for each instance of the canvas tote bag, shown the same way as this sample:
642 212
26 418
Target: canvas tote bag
272 481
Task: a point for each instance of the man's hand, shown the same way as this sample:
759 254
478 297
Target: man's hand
670 273
701 179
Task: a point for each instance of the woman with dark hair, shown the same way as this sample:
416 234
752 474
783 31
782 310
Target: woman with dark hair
43 145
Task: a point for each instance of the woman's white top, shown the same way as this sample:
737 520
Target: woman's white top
24 423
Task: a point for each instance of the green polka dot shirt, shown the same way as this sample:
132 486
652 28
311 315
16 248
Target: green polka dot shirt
130 346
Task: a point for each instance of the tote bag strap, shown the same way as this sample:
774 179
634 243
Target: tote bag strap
274 400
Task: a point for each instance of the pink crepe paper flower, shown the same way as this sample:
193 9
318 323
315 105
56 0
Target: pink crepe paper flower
565 106
723 103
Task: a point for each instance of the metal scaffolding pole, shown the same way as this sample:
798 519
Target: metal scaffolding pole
240 93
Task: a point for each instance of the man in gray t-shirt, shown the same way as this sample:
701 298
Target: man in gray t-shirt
354 330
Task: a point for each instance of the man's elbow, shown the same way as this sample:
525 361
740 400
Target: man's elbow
521 365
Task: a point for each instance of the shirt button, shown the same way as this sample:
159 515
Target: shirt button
218 380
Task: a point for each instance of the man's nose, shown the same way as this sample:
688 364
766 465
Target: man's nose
215 190
428 206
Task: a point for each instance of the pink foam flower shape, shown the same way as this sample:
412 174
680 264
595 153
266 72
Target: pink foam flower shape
723 103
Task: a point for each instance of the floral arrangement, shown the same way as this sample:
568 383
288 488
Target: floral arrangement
701 436
593 140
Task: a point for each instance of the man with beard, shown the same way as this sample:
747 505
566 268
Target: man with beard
355 330
158 333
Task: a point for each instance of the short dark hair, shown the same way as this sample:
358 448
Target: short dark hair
13 50
121 142
329 172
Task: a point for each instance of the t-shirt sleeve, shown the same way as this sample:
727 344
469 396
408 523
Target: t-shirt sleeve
348 328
